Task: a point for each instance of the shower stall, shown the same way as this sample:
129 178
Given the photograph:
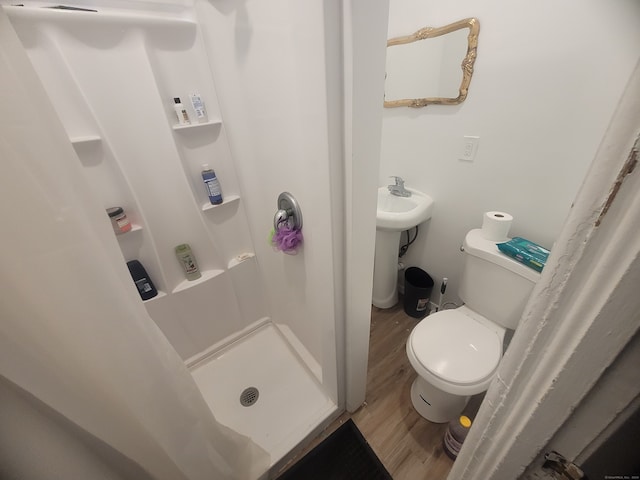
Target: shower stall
262 333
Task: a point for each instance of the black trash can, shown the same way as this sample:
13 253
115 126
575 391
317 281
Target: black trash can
418 286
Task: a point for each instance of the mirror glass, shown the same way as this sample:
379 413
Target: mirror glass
432 66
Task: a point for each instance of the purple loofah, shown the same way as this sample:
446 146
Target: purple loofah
287 239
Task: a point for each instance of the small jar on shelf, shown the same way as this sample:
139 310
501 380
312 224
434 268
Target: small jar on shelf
119 220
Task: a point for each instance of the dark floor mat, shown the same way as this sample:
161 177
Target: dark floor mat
343 455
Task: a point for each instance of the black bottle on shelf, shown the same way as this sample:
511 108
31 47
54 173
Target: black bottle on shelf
146 289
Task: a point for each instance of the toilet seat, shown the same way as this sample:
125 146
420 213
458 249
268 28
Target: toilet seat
455 348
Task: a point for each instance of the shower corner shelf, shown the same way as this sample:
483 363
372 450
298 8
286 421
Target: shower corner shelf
160 295
134 228
210 123
206 275
238 259
227 200
85 139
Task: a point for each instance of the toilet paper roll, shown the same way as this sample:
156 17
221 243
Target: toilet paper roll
496 225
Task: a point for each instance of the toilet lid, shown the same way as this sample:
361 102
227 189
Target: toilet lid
455 347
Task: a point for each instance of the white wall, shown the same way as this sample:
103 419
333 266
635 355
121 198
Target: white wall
140 163
547 79
270 61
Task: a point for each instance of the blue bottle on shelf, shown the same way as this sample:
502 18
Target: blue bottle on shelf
212 184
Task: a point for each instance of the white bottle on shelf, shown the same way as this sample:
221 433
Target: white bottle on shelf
181 112
198 107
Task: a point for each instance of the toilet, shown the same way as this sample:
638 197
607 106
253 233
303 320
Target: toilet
456 352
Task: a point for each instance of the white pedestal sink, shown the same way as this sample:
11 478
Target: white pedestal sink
395 215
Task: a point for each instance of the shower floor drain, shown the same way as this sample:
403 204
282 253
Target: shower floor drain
249 396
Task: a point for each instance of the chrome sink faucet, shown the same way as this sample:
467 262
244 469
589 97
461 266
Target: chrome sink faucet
398 189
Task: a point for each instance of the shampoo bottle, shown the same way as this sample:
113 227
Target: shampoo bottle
213 185
183 117
145 286
188 262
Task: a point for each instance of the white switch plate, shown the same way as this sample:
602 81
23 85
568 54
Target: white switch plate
469 148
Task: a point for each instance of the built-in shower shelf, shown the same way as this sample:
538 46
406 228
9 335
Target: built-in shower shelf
134 228
238 259
191 126
206 275
103 16
160 295
227 200
86 140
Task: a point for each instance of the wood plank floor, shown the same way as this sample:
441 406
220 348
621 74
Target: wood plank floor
409 446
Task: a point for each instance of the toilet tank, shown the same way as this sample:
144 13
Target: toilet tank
493 284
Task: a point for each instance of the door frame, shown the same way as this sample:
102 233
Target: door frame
364 49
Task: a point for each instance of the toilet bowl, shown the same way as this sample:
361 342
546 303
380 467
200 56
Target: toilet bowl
456 353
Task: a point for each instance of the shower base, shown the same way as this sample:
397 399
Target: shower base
289 405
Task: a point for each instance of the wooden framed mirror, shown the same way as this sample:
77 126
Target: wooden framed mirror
433 66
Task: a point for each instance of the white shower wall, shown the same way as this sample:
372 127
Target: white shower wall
112 77
274 62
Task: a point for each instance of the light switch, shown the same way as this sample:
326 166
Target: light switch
469 148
